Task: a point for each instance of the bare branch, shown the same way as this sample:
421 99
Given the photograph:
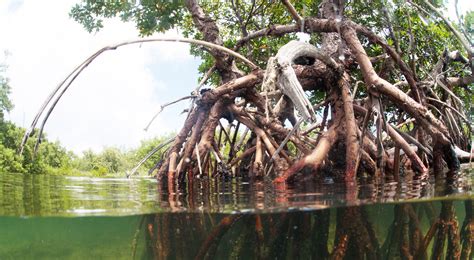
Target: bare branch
73 75
160 109
292 11
456 33
151 153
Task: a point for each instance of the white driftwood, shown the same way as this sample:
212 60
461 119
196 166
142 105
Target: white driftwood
280 73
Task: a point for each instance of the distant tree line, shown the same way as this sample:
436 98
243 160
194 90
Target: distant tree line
52 158
112 160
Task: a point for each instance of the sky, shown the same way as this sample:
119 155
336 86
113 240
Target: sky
114 98
112 101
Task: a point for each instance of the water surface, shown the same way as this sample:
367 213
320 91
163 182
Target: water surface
46 195
54 217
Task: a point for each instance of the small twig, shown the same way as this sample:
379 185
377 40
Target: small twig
450 107
152 152
198 159
396 164
409 120
354 91
234 138
456 33
269 169
379 123
227 137
199 86
257 164
162 107
456 98
411 139
292 11
216 154
287 138
247 152
472 154
204 80
311 128
417 163
365 122
241 141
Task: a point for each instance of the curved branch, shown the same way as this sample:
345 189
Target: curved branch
274 30
375 83
160 109
397 138
151 153
456 33
89 60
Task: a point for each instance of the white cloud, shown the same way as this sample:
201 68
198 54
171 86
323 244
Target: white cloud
464 6
110 102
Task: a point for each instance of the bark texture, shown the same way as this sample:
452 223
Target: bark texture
341 143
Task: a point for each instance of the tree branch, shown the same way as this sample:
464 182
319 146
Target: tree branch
456 33
292 11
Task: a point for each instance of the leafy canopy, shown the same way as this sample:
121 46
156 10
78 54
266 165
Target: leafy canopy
237 19
5 103
419 36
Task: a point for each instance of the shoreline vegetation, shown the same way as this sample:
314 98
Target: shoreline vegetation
52 158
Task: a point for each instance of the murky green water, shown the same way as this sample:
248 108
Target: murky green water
49 217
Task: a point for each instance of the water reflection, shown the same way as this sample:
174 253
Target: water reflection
235 196
429 229
239 220
43 195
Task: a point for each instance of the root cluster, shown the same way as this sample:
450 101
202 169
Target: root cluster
261 123
343 136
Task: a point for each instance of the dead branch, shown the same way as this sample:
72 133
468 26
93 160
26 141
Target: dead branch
292 11
73 75
459 36
163 107
151 153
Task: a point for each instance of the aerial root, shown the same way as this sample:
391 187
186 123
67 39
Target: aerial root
264 100
267 149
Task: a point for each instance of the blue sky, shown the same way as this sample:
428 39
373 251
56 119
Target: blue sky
114 98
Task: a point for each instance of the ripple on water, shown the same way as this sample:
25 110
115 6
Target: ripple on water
43 195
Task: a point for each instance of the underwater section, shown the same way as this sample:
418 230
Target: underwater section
441 229
55 217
